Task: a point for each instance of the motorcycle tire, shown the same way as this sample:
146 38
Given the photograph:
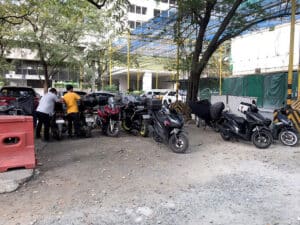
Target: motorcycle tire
56 135
288 137
225 135
262 139
124 126
216 128
179 143
114 132
144 131
88 132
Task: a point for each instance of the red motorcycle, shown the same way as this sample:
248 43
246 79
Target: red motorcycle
108 118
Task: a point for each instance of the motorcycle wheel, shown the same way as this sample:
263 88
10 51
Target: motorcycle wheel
88 132
124 126
288 137
262 139
179 143
114 132
216 128
144 131
225 135
56 134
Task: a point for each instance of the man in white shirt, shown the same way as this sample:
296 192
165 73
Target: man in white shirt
44 112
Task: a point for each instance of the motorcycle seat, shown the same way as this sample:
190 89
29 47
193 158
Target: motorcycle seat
238 119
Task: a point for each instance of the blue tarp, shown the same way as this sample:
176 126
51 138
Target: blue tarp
156 37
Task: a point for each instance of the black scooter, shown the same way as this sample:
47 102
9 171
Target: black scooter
253 128
167 126
58 122
135 118
283 129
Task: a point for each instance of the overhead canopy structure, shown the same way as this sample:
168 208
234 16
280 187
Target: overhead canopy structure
157 36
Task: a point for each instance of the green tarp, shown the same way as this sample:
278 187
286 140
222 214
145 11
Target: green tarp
270 90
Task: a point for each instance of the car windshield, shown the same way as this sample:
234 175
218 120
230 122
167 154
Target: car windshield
172 93
156 93
104 94
17 92
80 93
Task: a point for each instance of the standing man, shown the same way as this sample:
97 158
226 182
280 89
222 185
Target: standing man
71 98
44 112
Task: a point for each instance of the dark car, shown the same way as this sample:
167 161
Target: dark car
11 95
80 93
101 93
101 97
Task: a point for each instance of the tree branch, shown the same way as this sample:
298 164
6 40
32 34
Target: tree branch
7 19
213 44
232 35
99 6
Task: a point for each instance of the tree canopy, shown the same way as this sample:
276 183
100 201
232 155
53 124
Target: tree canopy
63 31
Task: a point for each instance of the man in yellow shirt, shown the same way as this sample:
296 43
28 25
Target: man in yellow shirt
71 98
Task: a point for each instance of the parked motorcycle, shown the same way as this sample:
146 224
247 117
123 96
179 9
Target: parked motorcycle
108 118
58 123
167 126
253 128
284 130
7 109
135 118
87 118
23 105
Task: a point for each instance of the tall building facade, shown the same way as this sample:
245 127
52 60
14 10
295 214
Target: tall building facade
142 11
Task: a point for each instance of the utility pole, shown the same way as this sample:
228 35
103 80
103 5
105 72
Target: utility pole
128 61
220 69
110 63
179 42
291 56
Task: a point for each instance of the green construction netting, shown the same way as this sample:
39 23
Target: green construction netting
270 90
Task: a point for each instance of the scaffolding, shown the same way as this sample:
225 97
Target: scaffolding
159 37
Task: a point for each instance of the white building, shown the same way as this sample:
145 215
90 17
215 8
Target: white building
142 11
264 51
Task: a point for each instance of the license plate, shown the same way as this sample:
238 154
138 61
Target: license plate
59 121
146 117
89 120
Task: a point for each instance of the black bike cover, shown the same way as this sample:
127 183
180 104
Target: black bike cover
216 110
201 109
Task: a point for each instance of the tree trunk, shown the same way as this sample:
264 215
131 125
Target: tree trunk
193 84
46 81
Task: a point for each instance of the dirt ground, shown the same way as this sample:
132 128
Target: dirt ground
133 180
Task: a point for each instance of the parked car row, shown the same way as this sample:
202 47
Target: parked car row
167 96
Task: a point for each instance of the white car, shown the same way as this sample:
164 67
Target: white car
170 97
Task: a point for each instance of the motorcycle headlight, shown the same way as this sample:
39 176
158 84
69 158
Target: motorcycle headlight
3 107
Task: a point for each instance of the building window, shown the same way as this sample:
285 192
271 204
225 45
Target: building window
132 8
137 24
138 10
156 12
144 10
131 24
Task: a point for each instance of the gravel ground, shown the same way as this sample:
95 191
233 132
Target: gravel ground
133 180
